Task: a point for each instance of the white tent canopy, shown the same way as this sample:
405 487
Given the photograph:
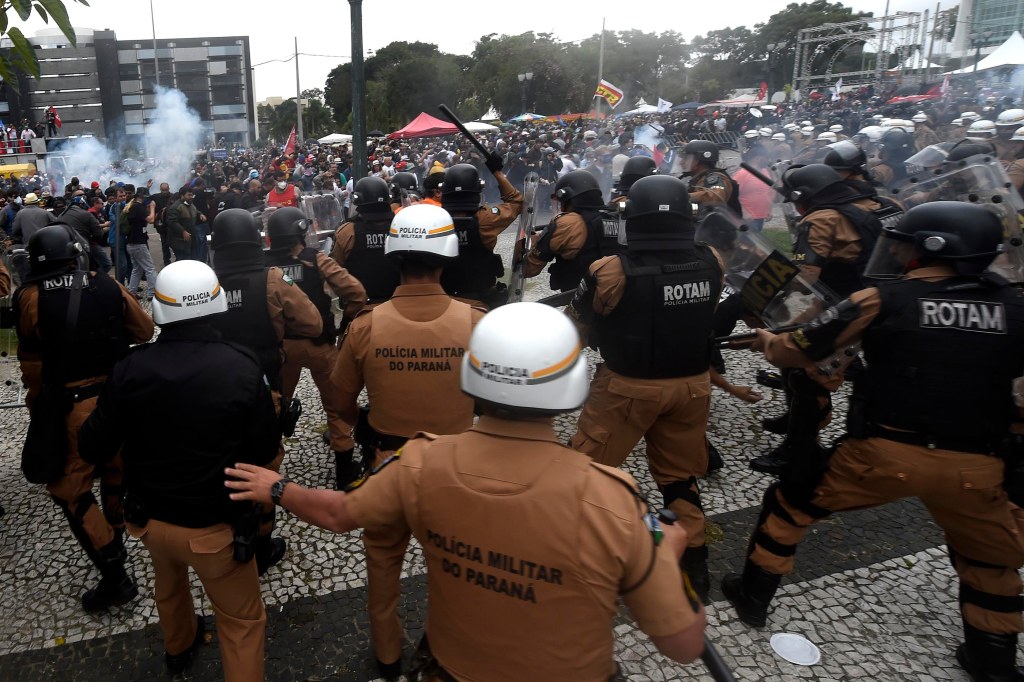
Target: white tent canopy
335 138
642 109
480 127
918 61
1009 53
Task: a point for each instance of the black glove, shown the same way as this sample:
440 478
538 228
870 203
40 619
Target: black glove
494 162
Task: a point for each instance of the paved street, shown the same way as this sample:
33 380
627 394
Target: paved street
873 589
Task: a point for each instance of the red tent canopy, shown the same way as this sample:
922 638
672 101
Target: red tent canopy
424 125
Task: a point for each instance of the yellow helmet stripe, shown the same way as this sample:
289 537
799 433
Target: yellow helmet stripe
559 366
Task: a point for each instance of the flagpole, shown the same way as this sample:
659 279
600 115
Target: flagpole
600 70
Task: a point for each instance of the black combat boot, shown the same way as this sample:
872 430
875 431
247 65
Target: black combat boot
751 593
695 565
988 657
116 587
178 663
390 671
777 425
715 461
346 471
269 551
773 462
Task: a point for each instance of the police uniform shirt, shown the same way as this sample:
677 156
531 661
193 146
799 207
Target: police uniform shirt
290 309
494 219
548 612
832 237
415 369
346 287
567 240
344 241
1015 171
711 186
883 174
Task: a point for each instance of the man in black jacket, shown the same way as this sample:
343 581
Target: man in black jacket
215 396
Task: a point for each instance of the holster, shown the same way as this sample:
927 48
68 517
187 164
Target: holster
370 439
291 410
246 526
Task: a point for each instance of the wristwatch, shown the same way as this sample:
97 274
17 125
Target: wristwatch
277 489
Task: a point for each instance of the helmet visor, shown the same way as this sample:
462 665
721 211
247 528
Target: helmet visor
890 258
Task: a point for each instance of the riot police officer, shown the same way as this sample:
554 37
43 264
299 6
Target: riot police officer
474 275
894 147
650 312
72 327
635 168
1007 124
313 271
407 353
528 544
264 306
579 235
942 344
175 502
709 184
359 243
405 189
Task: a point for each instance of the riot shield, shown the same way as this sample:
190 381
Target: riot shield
526 219
769 284
324 214
979 180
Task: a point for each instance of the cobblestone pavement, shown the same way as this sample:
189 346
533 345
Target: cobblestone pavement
872 589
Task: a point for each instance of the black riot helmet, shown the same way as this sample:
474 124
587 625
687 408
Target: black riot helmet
461 188
578 189
897 145
702 152
286 228
845 155
658 214
967 235
371 195
634 169
803 183
233 229
52 250
403 181
964 149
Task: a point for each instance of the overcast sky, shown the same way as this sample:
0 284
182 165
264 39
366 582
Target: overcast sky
322 26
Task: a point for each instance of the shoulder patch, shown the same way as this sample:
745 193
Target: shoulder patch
713 179
286 279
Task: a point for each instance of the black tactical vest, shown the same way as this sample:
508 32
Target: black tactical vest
602 240
311 282
733 202
842 277
247 321
662 327
477 267
99 338
367 262
942 357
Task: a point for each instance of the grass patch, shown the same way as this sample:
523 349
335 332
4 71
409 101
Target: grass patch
780 239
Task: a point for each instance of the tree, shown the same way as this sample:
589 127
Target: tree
22 56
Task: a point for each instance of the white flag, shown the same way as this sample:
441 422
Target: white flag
663 105
835 90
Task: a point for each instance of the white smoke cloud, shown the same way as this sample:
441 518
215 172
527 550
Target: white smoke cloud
88 159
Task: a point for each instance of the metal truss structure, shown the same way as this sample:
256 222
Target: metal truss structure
819 48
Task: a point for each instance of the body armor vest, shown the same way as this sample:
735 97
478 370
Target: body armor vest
99 335
413 360
477 267
367 262
662 327
247 321
311 282
602 240
486 558
842 277
942 357
733 202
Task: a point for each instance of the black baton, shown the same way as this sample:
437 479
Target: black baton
724 341
450 115
762 177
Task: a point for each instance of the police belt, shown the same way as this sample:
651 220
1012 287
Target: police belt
932 442
369 437
80 393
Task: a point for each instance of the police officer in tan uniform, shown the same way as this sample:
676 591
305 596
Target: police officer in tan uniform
1015 169
578 236
650 312
264 306
474 275
528 544
1007 124
359 242
709 185
175 502
894 148
943 347
314 272
66 359
408 354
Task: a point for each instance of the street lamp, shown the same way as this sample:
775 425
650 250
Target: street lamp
771 54
524 78
979 40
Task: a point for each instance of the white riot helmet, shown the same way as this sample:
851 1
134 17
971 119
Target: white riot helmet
526 355
969 116
836 128
807 130
804 124
423 230
1018 135
959 122
828 137
781 137
751 134
981 130
1010 119
765 132
790 127
919 117
187 290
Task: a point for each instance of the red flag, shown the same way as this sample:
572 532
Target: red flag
289 146
56 119
762 92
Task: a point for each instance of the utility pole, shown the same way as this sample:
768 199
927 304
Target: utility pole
358 92
931 43
600 69
298 97
156 61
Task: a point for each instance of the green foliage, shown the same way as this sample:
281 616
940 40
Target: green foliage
21 57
